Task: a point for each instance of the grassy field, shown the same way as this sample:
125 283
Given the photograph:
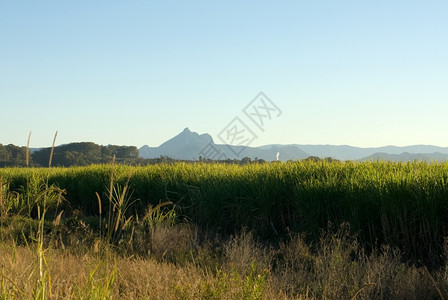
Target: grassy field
250 232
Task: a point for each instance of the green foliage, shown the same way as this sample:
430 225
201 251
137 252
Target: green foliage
156 216
9 201
232 285
11 155
401 204
8 288
387 202
99 288
83 154
118 219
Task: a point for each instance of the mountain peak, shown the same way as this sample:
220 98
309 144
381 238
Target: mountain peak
185 145
187 137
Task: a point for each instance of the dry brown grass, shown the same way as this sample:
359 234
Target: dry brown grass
338 268
74 277
178 266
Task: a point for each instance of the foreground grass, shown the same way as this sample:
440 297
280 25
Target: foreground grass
225 232
235 268
399 204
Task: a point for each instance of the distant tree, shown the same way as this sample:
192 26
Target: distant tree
330 159
259 161
12 155
122 151
127 152
87 149
4 154
313 158
246 160
41 156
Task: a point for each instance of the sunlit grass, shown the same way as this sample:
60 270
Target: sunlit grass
400 204
212 231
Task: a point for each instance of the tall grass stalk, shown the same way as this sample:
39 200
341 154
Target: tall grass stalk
3 210
52 149
100 210
156 217
43 288
119 201
100 288
28 150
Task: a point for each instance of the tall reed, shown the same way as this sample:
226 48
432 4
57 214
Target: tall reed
28 150
52 149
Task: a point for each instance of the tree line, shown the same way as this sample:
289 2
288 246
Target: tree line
87 153
74 154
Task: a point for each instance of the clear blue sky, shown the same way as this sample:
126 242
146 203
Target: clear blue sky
363 73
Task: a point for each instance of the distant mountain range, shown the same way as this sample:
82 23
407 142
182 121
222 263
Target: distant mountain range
190 145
